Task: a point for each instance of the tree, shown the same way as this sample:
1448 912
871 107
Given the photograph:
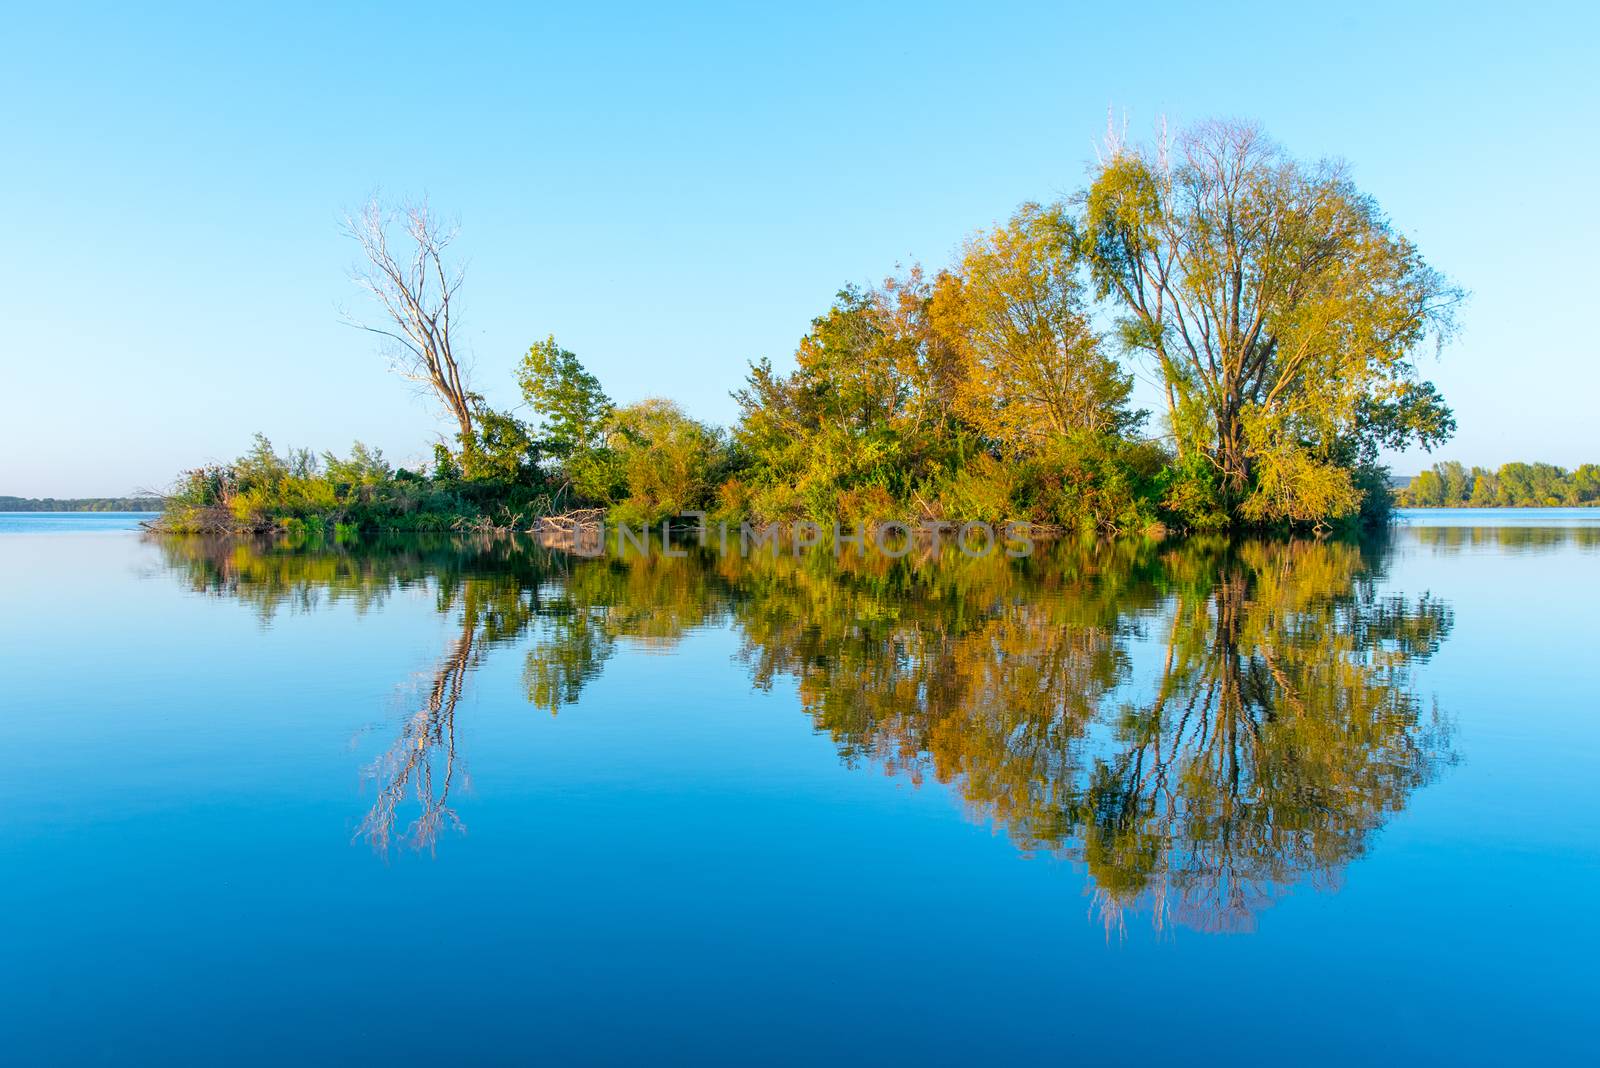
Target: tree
1586 481
1032 366
1426 490
868 405
873 361
364 467
1281 308
1483 488
1457 487
417 291
500 449
571 405
666 459
1516 484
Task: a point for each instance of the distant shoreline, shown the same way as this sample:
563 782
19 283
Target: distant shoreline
1452 484
81 504
1586 505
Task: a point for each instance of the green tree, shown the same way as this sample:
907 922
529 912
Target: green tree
1514 485
1586 480
1456 483
501 449
1483 488
667 462
363 467
571 406
868 408
1426 490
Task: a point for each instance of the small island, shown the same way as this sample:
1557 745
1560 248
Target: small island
1279 310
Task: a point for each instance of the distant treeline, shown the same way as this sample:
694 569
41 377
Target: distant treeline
80 504
1513 485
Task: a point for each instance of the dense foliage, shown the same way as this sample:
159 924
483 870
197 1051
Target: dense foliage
1283 312
1276 308
1513 485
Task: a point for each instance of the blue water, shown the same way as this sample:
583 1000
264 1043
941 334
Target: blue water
787 811
1498 517
71 522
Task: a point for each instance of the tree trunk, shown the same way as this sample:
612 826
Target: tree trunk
1231 457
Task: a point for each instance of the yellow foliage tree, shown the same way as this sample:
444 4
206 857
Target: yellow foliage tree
1032 366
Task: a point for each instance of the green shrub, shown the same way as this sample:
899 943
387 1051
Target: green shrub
983 490
1098 484
1190 497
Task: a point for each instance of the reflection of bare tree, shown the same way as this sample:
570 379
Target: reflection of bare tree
422 761
497 607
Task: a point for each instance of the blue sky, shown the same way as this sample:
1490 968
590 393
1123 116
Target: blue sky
673 193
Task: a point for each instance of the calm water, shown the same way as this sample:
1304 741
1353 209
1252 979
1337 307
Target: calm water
71 522
446 802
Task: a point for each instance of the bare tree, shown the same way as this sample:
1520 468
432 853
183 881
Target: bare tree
416 289
423 760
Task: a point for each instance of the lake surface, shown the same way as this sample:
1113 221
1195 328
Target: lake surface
71 522
456 802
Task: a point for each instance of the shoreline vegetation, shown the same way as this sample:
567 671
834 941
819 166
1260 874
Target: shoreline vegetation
1513 485
81 504
1277 309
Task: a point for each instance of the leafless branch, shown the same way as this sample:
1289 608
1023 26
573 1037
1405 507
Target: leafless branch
417 289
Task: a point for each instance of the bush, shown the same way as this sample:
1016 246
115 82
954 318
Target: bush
1098 484
1190 497
656 463
296 495
865 505
983 490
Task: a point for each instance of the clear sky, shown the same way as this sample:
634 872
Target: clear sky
674 192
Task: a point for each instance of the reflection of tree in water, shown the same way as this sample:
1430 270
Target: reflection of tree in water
495 607
1202 727
495 595
422 761
1282 732
651 600
1503 539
